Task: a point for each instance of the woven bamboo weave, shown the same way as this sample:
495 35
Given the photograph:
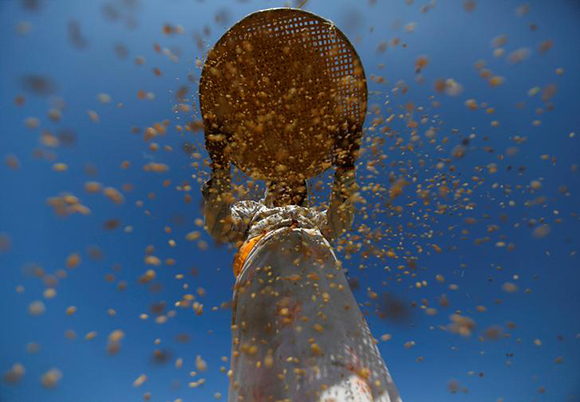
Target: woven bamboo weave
280 84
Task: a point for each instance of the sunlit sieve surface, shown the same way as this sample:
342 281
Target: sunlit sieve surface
506 131
282 76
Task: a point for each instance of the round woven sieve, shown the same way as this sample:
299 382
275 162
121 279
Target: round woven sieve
280 84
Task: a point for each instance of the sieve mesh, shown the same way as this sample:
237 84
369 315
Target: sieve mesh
281 83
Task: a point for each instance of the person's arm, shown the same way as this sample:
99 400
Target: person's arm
223 221
340 212
217 205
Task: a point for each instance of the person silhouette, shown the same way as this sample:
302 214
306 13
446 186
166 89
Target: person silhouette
297 331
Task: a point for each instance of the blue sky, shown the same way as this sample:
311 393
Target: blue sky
513 367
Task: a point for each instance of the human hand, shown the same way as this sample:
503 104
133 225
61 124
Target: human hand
346 147
216 144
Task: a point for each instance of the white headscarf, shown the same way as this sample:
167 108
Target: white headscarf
268 198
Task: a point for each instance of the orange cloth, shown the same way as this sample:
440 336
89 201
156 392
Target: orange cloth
244 252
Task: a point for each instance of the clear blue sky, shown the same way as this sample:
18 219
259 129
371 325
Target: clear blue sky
513 367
